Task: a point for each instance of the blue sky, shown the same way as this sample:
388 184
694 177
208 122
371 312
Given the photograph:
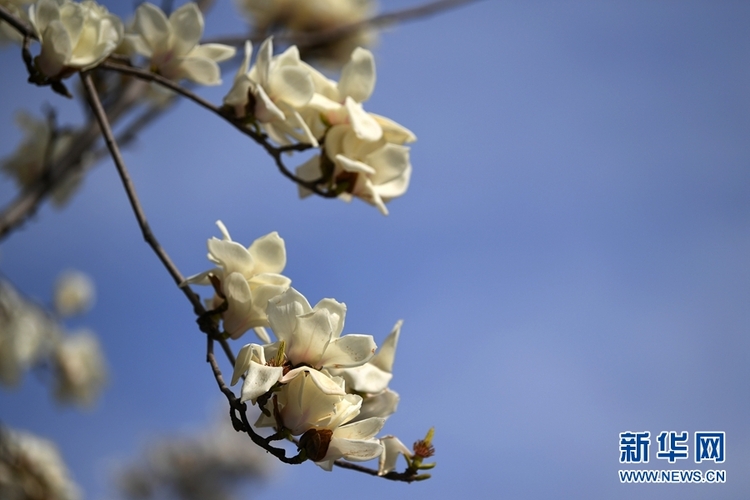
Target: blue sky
571 261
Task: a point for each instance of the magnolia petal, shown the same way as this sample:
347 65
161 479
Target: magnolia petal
363 124
366 378
308 171
238 316
265 109
390 162
73 22
358 76
56 49
337 310
354 166
187 28
262 334
393 132
232 256
43 13
241 364
326 384
283 310
242 70
153 26
308 342
200 70
292 85
259 380
395 187
363 429
268 253
214 51
392 448
385 356
381 405
263 60
353 450
349 350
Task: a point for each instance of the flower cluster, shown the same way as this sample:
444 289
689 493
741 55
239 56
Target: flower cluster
330 390
30 336
79 36
362 154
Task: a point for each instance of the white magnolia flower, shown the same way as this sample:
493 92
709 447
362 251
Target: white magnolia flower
27 335
31 467
172 46
248 278
81 370
74 36
393 447
38 150
375 172
74 293
312 335
279 86
304 407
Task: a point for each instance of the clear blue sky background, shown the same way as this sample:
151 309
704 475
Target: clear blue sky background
571 261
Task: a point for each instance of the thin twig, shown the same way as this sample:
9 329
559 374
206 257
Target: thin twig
17 23
260 139
312 39
148 235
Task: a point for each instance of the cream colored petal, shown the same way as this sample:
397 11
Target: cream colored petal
231 256
364 429
353 450
214 51
153 26
268 253
265 109
309 340
326 384
363 124
56 49
283 311
354 166
358 76
337 312
393 447
187 28
381 405
393 132
349 350
263 61
387 352
291 85
390 161
200 70
262 334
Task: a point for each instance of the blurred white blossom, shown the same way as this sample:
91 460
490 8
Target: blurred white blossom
31 469
247 278
80 369
40 148
304 17
74 36
74 293
27 335
171 44
210 466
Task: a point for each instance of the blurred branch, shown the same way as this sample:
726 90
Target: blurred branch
17 23
148 235
305 40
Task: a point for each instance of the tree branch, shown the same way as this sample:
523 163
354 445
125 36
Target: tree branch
148 235
312 39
